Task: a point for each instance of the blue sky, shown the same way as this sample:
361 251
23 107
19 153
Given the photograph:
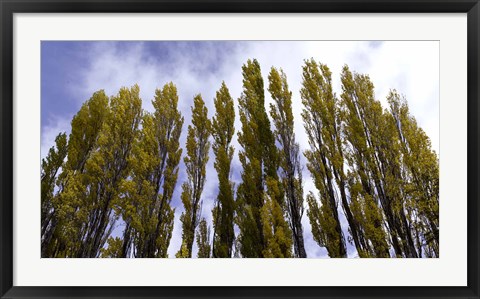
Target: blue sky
71 71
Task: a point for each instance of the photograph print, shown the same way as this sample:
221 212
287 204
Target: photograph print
239 149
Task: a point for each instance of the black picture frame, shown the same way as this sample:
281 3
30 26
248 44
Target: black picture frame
9 7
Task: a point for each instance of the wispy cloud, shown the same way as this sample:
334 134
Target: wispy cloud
200 67
50 132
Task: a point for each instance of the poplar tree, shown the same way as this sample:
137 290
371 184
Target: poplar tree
259 159
107 167
198 146
325 161
203 239
421 176
374 152
70 203
291 174
50 169
146 208
223 212
362 116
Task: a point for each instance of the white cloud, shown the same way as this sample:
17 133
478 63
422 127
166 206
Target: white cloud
410 67
50 132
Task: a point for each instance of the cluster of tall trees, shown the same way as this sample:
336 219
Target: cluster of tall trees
375 174
368 160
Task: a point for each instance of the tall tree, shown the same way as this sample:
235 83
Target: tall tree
198 146
50 169
223 212
362 116
203 239
325 161
146 208
70 203
420 176
291 175
374 152
259 159
107 167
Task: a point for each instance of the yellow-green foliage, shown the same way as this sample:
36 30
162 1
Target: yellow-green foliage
198 146
370 219
203 239
148 190
421 168
375 165
70 202
380 156
324 227
49 209
222 133
99 146
260 160
107 166
325 160
276 232
289 155
113 249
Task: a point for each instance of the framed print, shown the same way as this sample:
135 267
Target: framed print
239 149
